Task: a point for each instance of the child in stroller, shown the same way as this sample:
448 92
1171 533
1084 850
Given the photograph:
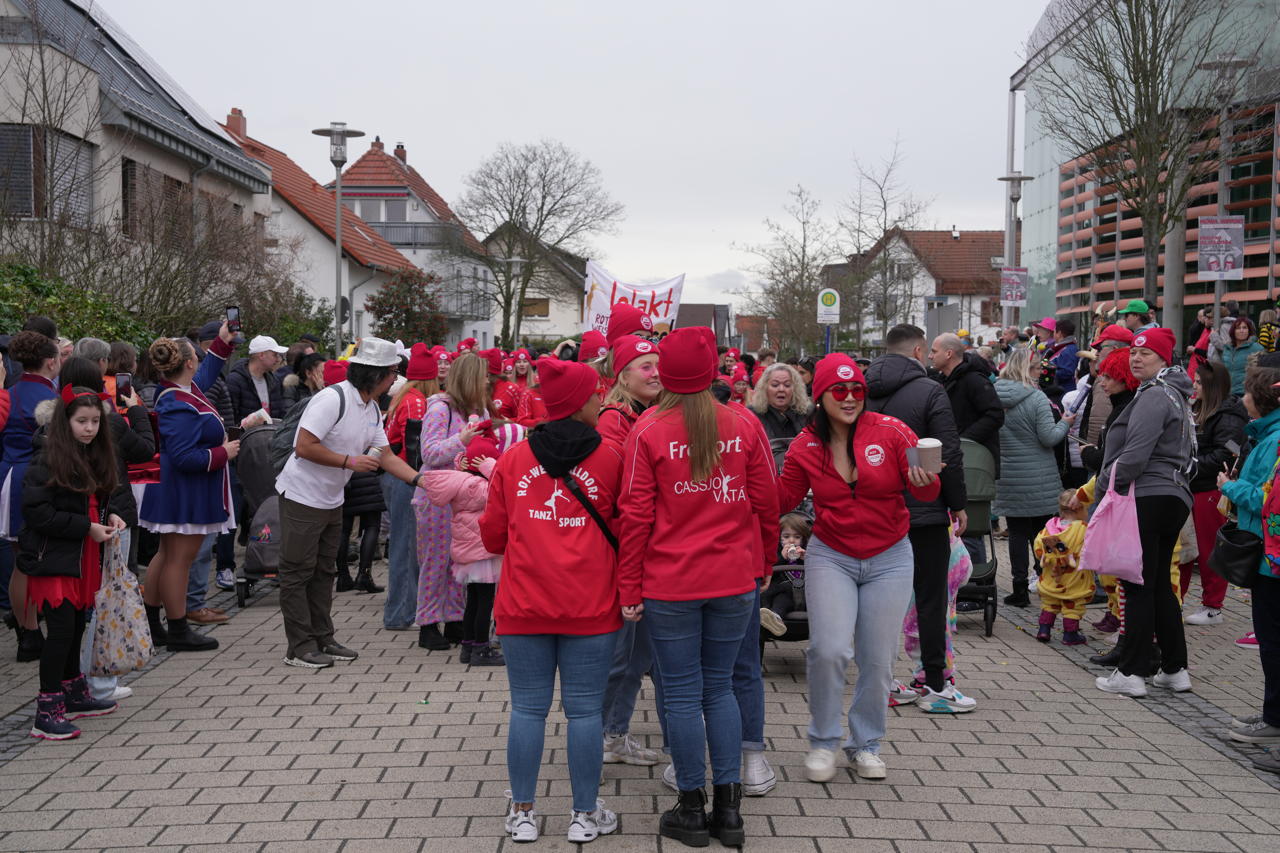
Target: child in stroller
783 601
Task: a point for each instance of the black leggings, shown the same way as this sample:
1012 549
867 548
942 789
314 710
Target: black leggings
479 612
1151 605
931 548
60 660
370 525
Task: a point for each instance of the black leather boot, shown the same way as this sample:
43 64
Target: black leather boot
345 581
726 821
687 822
429 638
1110 658
364 582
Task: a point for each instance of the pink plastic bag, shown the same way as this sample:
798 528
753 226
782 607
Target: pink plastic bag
1111 542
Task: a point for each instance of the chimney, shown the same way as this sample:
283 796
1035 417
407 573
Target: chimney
376 145
236 122
401 153
955 234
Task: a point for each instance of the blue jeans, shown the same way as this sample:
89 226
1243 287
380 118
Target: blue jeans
532 662
401 605
198 574
632 658
695 644
748 683
855 612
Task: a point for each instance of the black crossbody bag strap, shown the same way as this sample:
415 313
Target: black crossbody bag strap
591 510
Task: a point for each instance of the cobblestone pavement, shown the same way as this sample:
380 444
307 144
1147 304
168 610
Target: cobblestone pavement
404 750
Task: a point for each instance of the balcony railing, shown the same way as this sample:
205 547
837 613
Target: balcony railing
465 297
420 235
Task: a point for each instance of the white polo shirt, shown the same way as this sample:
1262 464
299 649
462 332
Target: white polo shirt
321 486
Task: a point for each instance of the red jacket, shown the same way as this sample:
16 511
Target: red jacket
616 422
872 518
522 405
682 540
559 573
412 405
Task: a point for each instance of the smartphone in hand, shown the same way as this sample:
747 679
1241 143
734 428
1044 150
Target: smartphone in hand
233 319
124 388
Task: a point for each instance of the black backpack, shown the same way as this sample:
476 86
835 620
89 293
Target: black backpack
282 441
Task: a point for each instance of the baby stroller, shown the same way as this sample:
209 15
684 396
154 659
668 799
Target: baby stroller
260 508
980 483
788 578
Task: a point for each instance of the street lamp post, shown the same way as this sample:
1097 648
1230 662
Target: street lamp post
338 134
1015 180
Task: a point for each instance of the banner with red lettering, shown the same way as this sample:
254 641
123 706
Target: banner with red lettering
603 291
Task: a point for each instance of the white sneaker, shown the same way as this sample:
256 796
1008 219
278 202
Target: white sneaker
1125 685
521 825
772 622
1178 682
902 694
669 778
120 693
758 777
820 764
868 765
1205 616
949 700
624 749
225 579
588 826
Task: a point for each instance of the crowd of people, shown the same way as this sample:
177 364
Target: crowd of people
636 504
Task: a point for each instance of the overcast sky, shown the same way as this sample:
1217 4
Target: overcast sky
701 115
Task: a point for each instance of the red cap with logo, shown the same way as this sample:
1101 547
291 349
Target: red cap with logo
624 319
1159 341
1114 332
628 348
834 369
594 345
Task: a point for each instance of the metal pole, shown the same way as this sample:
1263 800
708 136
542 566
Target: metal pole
337 242
1010 222
1224 176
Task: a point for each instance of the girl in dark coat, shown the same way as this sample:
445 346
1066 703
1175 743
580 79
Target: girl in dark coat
71 502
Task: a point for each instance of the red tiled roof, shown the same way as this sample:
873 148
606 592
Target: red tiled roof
316 204
377 168
960 266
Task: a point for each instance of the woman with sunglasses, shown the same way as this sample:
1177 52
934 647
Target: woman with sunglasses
858 567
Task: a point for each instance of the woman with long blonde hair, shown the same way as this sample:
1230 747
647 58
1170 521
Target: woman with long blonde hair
698 497
448 426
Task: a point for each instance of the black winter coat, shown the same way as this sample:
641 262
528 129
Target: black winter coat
56 522
294 391
1224 425
244 396
777 424
363 494
974 403
898 386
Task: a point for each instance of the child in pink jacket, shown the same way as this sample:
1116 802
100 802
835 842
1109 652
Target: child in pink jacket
466 491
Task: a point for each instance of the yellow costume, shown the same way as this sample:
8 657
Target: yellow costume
1063 587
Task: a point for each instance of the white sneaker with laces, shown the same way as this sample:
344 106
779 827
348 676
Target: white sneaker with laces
522 824
868 765
772 622
758 777
1244 723
624 749
226 579
949 700
120 693
669 778
902 694
820 764
1178 682
1125 685
1205 616
588 826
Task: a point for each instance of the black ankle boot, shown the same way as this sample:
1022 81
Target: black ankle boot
364 582
159 636
429 638
30 644
453 632
345 582
687 822
726 821
1110 658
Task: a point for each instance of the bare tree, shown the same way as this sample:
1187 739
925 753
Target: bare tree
1122 86
533 199
789 268
881 288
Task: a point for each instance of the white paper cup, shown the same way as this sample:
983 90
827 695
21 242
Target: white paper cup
929 451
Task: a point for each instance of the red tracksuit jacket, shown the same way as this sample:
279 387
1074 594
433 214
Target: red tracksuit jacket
559 573
867 522
682 540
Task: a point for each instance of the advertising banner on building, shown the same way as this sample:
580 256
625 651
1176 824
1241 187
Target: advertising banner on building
1221 248
1013 287
661 300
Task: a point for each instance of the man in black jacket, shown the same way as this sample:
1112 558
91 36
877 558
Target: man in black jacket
253 382
974 404
898 386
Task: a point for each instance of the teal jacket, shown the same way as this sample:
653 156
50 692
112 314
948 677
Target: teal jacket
1246 491
1237 361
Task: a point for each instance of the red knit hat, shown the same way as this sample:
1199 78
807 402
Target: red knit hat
422 364
625 319
508 364
734 353
467 343
594 345
689 359
1114 332
739 374
334 372
1159 341
1116 366
522 353
494 359
444 355
628 348
482 445
834 369
565 386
